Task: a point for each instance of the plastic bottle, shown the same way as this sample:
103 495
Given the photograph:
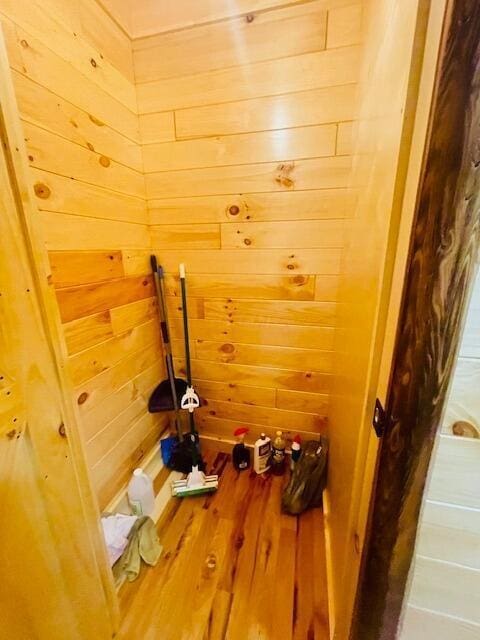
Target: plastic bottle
278 454
240 453
296 451
140 493
261 453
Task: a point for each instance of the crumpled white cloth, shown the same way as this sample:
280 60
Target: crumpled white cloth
115 530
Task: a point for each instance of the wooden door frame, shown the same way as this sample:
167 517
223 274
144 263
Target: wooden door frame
52 427
444 245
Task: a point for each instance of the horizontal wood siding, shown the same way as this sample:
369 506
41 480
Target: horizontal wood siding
246 123
72 69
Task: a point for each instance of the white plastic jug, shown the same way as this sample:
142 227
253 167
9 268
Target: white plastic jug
140 493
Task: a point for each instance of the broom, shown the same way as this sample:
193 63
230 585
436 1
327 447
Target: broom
196 482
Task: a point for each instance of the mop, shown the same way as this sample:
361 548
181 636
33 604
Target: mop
196 482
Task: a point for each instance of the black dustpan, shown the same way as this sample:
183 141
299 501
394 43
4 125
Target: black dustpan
161 398
168 394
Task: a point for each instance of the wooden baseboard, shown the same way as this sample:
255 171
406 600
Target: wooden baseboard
330 568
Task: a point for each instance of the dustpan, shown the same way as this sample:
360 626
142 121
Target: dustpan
161 398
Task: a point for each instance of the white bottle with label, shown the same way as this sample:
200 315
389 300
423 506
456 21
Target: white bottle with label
140 493
262 451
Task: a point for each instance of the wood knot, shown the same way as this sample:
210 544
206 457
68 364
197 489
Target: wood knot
247 241
465 429
82 398
31 158
96 121
300 279
227 348
41 190
24 44
283 174
249 17
211 561
11 434
290 266
104 161
90 146
93 62
234 210
239 541
62 431
308 375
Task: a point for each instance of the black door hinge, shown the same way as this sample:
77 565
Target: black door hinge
380 420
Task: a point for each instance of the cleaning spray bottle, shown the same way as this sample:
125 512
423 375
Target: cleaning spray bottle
240 453
296 451
261 454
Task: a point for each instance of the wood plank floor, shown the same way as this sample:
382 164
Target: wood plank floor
233 567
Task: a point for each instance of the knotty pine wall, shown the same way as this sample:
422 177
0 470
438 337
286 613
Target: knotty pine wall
73 74
444 596
246 125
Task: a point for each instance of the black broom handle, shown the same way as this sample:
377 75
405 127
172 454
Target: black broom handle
185 324
187 357
158 278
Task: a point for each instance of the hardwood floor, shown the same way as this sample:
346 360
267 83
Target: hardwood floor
233 567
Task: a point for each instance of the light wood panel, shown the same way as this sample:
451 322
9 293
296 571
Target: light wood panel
303 108
266 261
96 418
64 195
264 287
263 355
186 236
231 392
266 37
344 26
157 127
57 155
268 146
251 414
254 207
93 361
296 73
278 235
49 111
285 335
72 232
93 392
271 311
263 377
318 173
151 18
302 401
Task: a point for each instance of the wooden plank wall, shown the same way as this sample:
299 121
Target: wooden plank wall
246 122
444 597
73 74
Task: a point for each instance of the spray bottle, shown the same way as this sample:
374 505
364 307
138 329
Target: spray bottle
240 453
